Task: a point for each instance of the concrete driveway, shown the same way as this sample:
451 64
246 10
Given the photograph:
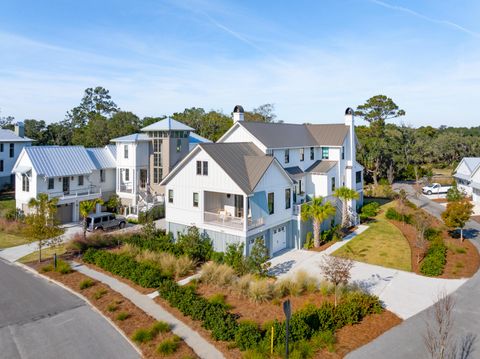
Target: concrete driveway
38 320
403 293
406 339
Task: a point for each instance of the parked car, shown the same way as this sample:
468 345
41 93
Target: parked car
435 188
105 220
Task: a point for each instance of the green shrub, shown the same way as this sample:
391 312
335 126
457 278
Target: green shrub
234 258
112 307
63 267
219 299
393 214
86 283
435 260
323 339
47 268
195 245
122 316
152 214
257 261
99 293
332 234
432 234
142 336
369 210
218 257
169 346
159 327
309 244
95 240
248 335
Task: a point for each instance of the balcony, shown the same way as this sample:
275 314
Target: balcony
224 219
85 194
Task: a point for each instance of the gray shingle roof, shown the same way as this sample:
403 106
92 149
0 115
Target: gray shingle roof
59 161
279 135
321 166
243 162
168 124
10 136
102 158
135 137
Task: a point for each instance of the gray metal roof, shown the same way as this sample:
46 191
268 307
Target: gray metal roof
102 158
321 166
60 161
243 162
10 136
280 135
295 172
168 124
195 138
472 162
113 150
135 137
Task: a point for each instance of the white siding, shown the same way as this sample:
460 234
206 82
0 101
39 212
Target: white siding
240 134
8 161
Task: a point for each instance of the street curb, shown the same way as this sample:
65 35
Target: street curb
111 322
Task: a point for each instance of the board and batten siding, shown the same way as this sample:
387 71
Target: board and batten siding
186 182
240 134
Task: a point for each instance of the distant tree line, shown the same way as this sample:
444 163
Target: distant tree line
98 119
388 151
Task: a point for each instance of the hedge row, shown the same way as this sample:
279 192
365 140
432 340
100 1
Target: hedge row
393 214
143 274
435 259
224 325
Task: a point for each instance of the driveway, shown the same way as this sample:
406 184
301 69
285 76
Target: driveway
40 320
406 340
403 293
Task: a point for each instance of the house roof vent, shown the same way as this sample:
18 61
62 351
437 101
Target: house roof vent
349 111
238 109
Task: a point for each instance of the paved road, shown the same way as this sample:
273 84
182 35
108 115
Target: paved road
405 340
40 320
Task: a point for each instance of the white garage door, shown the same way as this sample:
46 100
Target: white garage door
279 239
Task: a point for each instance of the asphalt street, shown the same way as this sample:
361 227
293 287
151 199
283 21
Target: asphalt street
406 340
39 319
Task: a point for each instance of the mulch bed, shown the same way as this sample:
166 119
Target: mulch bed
137 319
459 265
439 200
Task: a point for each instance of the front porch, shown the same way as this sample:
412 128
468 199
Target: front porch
230 211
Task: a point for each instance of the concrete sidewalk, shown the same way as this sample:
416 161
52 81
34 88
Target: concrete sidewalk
13 254
202 347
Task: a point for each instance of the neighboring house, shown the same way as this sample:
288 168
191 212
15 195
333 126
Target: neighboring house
70 173
132 168
11 144
467 176
253 181
145 159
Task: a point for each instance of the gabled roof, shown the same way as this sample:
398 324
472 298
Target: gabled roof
472 163
243 162
321 166
102 158
60 161
135 137
295 172
10 136
284 135
168 124
112 149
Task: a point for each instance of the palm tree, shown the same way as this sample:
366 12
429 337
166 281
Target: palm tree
86 207
318 213
345 194
41 224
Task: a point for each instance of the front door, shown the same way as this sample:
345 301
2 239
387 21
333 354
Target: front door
238 205
66 185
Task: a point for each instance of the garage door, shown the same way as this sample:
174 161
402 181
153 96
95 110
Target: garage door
279 239
64 213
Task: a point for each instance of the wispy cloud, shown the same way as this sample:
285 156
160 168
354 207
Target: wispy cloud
427 18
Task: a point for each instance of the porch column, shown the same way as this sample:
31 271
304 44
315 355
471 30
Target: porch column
245 213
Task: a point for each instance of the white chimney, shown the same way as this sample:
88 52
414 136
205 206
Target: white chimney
238 114
350 121
20 129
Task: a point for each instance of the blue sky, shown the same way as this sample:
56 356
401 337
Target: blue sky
312 59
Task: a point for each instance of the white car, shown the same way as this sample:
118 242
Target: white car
435 188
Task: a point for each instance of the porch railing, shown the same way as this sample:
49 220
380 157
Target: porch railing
92 190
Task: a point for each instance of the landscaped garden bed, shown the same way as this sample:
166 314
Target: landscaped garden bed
153 338
405 237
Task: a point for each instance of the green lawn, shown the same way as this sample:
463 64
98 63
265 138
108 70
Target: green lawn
7 203
47 253
11 240
381 244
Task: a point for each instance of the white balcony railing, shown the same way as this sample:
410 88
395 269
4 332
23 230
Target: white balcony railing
229 221
81 192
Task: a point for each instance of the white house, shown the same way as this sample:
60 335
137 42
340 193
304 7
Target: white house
252 182
11 144
70 173
132 168
467 176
